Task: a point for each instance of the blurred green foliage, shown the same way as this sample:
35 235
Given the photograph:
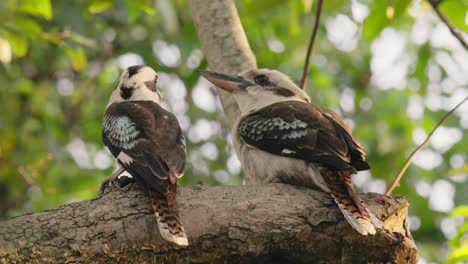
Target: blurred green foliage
60 60
459 242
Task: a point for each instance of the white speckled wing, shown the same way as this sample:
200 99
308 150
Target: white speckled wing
121 131
303 131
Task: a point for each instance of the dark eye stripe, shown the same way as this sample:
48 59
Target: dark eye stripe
283 92
151 85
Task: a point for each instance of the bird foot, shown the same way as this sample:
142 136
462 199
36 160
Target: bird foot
114 181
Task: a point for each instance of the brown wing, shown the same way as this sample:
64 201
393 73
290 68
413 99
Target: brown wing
170 141
357 154
300 130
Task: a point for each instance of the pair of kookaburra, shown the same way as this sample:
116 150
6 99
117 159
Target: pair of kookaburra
279 137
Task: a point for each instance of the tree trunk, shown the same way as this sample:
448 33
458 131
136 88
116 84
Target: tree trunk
275 223
224 44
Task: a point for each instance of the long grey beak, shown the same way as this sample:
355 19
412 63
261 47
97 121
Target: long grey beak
229 83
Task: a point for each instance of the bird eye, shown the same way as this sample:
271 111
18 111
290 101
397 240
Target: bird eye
261 79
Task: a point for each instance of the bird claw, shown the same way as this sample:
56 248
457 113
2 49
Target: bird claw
105 186
114 182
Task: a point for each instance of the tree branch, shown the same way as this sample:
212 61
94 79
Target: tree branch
311 45
273 223
455 33
396 181
224 43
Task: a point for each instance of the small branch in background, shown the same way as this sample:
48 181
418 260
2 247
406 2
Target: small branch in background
396 181
455 33
77 38
58 38
311 45
25 173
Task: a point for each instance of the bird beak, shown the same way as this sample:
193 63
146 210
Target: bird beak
229 83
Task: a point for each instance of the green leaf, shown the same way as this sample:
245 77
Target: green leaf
25 87
18 43
460 210
400 7
148 9
458 255
463 169
424 53
77 57
294 17
135 7
7 10
99 6
27 26
382 15
40 8
455 241
376 20
455 10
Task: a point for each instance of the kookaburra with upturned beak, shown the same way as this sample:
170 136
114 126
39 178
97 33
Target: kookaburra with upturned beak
147 142
281 137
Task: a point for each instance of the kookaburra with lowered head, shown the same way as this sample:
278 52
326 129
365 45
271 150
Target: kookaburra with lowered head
147 142
281 137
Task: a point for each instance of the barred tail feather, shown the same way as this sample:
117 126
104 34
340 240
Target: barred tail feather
358 221
165 209
358 216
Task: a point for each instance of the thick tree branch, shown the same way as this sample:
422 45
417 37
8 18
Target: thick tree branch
224 43
274 223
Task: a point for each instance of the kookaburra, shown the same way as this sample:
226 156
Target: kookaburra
147 142
281 137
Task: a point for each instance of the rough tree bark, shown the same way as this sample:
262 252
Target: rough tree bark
247 224
275 223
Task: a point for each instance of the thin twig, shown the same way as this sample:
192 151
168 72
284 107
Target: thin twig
311 45
455 33
396 181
